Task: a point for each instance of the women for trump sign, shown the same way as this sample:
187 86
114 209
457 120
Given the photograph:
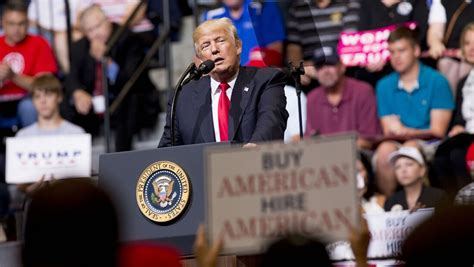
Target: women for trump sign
366 47
258 194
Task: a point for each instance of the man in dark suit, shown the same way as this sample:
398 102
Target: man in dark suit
84 82
251 110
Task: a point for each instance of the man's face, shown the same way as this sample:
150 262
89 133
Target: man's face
15 26
329 75
468 47
220 46
96 27
46 103
233 3
403 55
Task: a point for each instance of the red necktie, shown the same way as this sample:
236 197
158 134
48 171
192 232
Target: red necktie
98 89
223 112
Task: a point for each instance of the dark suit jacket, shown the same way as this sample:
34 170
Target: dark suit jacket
127 53
139 108
430 197
257 111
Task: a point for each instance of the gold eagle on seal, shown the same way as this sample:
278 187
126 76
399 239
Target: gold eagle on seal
163 191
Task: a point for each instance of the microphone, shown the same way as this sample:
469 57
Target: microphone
204 68
194 73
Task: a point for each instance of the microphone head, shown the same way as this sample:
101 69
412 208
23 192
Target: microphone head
206 66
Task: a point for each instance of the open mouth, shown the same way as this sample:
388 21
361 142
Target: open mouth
218 60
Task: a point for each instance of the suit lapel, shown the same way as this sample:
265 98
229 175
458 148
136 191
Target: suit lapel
240 97
203 109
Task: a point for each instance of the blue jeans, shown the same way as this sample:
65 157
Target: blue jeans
25 115
26 112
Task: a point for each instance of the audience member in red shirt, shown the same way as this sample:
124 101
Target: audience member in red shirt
22 57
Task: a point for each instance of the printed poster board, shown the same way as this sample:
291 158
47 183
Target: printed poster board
59 156
255 195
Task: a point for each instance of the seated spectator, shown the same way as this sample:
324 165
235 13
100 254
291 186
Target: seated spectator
465 196
378 14
118 12
258 23
448 165
22 57
372 200
414 103
410 168
312 25
464 115
341 104
444 34
84 83
47 94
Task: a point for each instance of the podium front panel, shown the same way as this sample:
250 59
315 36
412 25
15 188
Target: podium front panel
119 174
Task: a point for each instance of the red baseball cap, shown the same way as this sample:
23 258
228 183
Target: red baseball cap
148 254
264 57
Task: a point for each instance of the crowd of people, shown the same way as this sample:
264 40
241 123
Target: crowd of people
419 98
413 115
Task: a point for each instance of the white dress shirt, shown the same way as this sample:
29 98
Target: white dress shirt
215 94
293 123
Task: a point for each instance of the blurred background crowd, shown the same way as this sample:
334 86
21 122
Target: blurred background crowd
413 113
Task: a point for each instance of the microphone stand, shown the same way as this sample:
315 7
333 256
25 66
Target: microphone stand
296 73
105 88
177 90
68 28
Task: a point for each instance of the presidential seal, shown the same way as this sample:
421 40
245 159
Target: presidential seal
163 191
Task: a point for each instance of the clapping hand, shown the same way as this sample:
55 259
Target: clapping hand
6 72
206 255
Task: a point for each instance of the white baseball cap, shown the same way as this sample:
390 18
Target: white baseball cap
409 152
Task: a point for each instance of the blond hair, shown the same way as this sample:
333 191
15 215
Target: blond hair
469 27
212 25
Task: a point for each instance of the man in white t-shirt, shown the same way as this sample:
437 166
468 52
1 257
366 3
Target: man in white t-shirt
47 95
